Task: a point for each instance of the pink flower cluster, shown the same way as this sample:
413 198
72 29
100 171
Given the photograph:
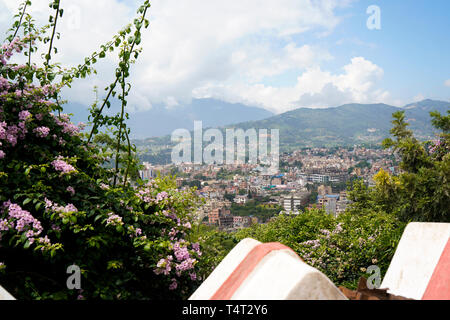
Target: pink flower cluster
145 195
435 146
185 265
24 115
60 165
114 219
181 252
21 221
4 84
182 263
164 266
12 133
62 210
67 126
161 196
173 285
42 132
313 243
7 49
71 190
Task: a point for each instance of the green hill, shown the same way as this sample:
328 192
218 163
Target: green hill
345 125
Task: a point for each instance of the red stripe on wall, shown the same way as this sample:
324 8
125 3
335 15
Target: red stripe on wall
439 286
237 277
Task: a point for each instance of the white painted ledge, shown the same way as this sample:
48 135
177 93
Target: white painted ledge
415 259
279 275
4 295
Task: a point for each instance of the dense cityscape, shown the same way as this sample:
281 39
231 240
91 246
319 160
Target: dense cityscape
237 196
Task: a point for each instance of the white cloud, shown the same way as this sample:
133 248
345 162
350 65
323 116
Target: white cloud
314 88
216 48
447 83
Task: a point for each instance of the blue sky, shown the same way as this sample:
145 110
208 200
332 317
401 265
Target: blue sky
278 55
412 46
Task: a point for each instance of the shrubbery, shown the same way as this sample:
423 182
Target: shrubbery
341 247
59 204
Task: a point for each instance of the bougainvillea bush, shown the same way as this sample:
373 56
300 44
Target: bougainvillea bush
61 206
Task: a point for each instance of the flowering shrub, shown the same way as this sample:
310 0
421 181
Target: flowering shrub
59 207
341 247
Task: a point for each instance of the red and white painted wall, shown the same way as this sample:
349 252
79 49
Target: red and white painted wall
420 268
265 271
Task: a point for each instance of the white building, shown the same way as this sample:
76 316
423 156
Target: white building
148 172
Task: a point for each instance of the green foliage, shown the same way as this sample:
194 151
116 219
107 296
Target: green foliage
59 201
215 246
342 248
256 209
422 190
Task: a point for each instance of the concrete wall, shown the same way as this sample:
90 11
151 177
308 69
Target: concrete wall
4 295
416 259
271 271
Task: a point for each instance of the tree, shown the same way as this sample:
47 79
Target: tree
421 192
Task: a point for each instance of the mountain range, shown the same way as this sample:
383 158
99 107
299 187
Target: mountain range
161 120
348 124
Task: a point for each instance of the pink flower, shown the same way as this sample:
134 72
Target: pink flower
161 196
24 115
71 190
42 132
114 219
61 165
173 285
187 225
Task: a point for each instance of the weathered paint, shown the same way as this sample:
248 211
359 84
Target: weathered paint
211 284
416 258
243 270
439 285
256 271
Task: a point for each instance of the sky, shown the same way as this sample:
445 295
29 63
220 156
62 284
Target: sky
278 55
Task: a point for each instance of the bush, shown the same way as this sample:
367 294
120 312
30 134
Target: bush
60 205
421 191
342 247
215 246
